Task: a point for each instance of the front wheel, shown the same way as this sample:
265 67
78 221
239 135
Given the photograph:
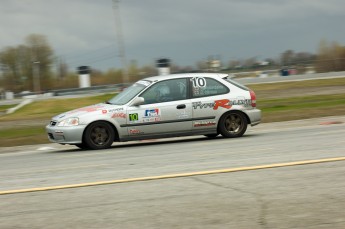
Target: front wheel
99 135
82 146
211 135
233 124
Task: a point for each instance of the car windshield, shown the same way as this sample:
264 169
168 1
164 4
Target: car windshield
129 93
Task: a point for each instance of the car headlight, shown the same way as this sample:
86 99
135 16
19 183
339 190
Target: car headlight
69 122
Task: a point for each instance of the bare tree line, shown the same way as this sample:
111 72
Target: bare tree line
23 65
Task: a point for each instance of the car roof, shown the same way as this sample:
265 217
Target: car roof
184 75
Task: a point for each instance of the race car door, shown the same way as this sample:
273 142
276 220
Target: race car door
167 110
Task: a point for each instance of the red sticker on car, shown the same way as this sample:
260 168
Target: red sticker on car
225 103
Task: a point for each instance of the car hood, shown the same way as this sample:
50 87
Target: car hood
97 109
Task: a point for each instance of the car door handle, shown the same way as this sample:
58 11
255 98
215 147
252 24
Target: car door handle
181 106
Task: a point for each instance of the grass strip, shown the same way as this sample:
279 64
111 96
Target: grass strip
302 102
4 108
273 110
23 136
48 108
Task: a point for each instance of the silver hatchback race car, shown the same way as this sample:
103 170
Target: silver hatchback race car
162 106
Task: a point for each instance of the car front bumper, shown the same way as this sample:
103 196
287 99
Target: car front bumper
65 135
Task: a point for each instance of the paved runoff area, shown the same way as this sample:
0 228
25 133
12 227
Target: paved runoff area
279 175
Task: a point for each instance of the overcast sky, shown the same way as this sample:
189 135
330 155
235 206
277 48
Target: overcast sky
84 32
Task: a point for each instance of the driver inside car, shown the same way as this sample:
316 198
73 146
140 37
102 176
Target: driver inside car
163 94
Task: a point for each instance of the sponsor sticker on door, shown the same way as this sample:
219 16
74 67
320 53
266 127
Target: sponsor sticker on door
152 115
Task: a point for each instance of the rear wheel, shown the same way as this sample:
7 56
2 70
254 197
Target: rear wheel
99 135
233 124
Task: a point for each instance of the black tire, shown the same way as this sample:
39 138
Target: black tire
82 146
99 135
233 124
211 135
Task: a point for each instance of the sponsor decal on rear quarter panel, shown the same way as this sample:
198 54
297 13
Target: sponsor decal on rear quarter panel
224 103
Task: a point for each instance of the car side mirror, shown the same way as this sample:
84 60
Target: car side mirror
138 101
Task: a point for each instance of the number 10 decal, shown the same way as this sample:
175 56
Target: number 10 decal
199 82
133 117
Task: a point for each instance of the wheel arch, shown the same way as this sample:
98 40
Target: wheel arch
234 111
116 137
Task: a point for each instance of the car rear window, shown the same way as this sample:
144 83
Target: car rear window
237 84
204 86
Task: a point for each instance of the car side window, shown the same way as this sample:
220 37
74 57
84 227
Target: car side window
203 87
166 91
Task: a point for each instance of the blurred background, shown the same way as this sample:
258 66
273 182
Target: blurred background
43 43
60 55
287 172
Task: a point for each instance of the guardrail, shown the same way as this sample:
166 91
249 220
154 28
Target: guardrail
77 91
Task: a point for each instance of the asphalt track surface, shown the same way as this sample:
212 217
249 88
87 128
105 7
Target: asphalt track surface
279 175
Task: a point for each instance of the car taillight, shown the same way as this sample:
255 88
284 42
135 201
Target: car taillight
253 98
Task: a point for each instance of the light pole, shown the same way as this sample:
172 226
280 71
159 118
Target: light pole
36 76
120 41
